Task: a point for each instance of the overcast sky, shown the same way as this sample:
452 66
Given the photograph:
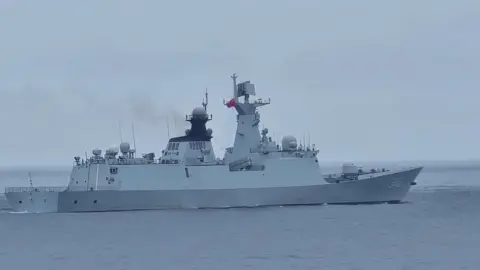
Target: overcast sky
368 80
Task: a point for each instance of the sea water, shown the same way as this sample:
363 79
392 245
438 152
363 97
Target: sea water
436 228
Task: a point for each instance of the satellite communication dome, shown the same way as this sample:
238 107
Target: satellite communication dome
124 147
289 142
96 152
199 112
209 131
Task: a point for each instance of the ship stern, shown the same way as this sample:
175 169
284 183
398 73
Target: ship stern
33 200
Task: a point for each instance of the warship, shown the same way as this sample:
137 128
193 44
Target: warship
255 171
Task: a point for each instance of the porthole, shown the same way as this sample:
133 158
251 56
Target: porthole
20 202
95 201
75 202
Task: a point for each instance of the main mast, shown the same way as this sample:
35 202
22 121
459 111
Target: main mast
247 137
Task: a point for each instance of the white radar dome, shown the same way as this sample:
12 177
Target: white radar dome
289 142
199 112
124 147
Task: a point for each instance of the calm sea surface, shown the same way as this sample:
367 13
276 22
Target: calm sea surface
437 228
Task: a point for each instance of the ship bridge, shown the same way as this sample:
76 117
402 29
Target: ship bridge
195 147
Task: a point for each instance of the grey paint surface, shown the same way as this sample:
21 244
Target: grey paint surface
388 188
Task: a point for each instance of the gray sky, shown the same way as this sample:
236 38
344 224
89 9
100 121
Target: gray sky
368 80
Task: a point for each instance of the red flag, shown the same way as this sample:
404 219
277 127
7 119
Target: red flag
231 103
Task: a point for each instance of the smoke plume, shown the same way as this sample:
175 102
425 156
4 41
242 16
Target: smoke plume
146 111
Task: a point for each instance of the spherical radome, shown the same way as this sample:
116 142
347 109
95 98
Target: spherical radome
289 142
199 111
124 147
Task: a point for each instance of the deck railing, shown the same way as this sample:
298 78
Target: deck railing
34 189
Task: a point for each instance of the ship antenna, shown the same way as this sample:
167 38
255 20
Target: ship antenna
304 144
30 179
31 185
168 127
120 131
309 140
234 77
134 142
205 102
175 126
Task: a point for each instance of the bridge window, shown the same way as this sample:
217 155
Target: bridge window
198 145
173 146
113 170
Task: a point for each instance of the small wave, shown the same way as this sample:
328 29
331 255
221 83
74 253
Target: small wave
19 212
447 188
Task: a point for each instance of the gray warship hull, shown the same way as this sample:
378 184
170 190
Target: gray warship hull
391 188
